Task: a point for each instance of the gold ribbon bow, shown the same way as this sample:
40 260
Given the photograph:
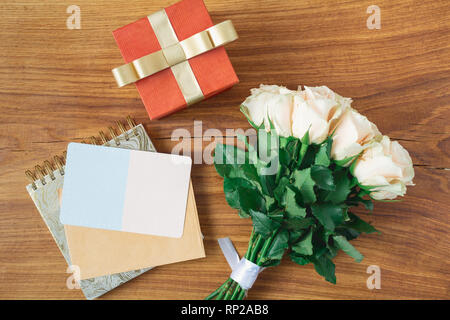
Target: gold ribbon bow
174 54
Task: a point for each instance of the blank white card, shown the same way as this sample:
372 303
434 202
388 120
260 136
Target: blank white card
125 190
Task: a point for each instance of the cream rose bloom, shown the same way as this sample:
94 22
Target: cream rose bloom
293 113
271 102
386 165
351 134
317 109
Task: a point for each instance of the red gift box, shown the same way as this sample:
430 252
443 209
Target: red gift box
161 91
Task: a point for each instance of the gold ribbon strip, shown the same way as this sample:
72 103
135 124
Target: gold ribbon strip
174 54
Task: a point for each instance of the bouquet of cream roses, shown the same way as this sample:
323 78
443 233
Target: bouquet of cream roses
315 158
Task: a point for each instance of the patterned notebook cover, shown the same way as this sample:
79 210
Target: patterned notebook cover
46 181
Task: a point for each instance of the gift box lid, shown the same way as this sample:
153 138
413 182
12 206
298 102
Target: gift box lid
211 72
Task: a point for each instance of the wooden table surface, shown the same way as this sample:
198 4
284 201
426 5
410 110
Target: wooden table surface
56 86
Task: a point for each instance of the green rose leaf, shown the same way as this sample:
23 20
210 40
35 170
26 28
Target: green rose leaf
285 158
310 156
303 148
292 146
270 263
267 183
347 232
328 214
332 250
249 172
346 161
356 200
294 235
243 195
360 225
243 214
293 210
323 177
305 184
226 157
277 215
279 245
297 224
280 190
304 246
323 155
298 259
232 162
263 224
325 267
343 187
348 248
270 203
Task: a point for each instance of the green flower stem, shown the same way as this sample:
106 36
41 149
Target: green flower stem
241 295
236 292
215 293
251 247
212 295
257 250
224 289
250 244
266 247
230 291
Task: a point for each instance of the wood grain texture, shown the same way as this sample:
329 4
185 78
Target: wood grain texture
56 86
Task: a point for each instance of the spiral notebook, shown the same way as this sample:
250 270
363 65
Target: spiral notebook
104 255
46 180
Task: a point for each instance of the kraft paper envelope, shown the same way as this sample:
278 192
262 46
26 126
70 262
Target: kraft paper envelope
125 190
99 252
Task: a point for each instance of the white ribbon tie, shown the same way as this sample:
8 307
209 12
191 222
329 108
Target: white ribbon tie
244 271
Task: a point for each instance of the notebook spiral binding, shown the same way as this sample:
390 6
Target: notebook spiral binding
38 173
